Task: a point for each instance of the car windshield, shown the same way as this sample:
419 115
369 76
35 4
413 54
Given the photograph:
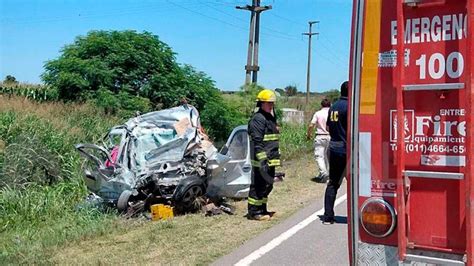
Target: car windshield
151 145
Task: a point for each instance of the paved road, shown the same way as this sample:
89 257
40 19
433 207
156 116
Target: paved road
300 240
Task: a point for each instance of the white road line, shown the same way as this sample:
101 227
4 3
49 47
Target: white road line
285 235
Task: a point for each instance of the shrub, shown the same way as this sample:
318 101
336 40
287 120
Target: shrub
219 120
29 161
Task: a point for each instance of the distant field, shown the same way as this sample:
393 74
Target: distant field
297 102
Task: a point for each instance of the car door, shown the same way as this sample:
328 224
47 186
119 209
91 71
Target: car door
107 180
232 179
95 168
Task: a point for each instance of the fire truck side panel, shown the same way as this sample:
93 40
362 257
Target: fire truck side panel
437 130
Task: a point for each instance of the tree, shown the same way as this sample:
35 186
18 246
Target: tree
291 90
113 60
125 71
280 91
10 80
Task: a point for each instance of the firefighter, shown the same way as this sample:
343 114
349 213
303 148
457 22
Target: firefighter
265 155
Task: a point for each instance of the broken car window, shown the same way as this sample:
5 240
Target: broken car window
238 146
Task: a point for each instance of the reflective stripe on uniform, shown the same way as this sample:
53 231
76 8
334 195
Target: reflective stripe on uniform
270 137
255 163
275 162
261 156
255 202
264 200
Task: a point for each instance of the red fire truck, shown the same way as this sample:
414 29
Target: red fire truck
411 162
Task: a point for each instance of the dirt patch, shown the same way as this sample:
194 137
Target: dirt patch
195 239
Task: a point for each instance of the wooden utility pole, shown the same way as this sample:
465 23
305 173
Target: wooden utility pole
251 69
308 74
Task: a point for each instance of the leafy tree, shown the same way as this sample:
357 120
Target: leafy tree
126 71
291 90
219 120
188 83
280 91
115 61
10 80
248 94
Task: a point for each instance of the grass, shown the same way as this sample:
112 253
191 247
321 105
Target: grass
41 186
40 177
193 239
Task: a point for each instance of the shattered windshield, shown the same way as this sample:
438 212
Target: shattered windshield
155 144
148 141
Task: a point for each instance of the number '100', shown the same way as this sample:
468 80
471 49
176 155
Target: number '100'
438 65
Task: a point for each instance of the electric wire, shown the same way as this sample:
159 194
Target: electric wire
118 12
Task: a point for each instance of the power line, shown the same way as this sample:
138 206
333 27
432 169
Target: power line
284 35
334 54
329 60
209 17
287 19
334 45
228 23
119 12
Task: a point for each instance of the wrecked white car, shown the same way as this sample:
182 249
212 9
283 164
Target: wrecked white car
164 157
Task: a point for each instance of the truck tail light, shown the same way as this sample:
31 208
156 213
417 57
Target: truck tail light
377 217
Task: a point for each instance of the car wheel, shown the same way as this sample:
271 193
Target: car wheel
122 202
191 198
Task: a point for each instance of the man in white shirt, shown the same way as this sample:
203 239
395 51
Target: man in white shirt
321 141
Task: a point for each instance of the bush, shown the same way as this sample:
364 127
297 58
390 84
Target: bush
29 161
123 104
219 120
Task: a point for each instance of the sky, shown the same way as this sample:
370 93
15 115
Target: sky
211 35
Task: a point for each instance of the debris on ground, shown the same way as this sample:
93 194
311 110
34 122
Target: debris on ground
211 208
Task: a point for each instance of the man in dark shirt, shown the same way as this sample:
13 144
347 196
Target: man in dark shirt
337 127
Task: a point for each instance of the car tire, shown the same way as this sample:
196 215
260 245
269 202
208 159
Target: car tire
189 201
122 202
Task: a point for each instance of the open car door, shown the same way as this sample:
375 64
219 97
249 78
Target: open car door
232 177
103 176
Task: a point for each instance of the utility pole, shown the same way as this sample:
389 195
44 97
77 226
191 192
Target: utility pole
251 69
308 74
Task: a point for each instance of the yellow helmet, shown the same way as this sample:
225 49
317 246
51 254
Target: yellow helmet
266 96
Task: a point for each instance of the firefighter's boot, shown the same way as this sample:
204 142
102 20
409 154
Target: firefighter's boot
259 217
265 210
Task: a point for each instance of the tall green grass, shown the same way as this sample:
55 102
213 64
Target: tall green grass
293 142
41 178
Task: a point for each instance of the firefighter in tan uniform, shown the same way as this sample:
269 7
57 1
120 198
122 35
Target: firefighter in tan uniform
265 155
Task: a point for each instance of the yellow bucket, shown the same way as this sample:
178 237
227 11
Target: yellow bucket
161 212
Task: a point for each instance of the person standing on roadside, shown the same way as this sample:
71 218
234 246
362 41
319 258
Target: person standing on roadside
321 141
337 126
265 155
